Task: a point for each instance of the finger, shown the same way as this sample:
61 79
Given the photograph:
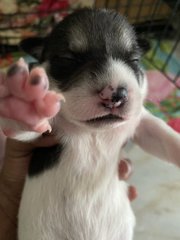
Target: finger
132 193
24 148
45 141
16 161
125 169
18 155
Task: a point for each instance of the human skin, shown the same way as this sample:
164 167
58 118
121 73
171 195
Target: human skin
12 178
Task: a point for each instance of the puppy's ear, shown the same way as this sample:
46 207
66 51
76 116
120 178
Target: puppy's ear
144 45
34 46
157 138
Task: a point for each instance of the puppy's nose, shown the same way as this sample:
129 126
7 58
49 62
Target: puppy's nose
113 97
120 95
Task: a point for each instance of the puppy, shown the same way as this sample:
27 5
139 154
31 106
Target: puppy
72 191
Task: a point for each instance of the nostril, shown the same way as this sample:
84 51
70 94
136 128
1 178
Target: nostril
120 95
106 93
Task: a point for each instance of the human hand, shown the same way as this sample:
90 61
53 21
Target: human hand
12 178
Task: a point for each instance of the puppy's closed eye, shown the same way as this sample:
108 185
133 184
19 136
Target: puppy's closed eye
63 66
63 58
134 60
68 64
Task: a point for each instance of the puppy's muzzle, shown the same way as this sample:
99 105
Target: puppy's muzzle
113 97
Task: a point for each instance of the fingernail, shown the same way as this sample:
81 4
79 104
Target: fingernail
123 169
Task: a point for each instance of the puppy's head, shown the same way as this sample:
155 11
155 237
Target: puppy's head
93 58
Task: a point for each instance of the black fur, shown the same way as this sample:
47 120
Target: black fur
44 158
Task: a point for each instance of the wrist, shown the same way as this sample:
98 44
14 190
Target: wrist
8 226
13 172
9 205
11 187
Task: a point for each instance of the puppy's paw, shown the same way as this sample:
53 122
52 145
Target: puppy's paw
29 104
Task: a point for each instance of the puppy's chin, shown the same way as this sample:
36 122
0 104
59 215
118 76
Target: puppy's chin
105 125
105 122
97 124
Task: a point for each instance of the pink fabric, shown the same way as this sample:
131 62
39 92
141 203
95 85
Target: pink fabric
175 124
158 86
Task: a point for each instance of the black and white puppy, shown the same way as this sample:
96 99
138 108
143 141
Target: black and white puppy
73 191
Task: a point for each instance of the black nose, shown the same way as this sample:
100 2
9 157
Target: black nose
120 95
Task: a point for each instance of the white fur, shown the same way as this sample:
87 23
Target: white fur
157 138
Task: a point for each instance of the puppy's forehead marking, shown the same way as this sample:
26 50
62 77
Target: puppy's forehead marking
77 39
125 36
98 30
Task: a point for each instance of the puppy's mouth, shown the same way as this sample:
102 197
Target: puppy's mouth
107 119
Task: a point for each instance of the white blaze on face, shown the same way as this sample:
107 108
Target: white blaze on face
78 40
125 36
120 74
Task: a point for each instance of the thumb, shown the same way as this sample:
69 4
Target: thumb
18 155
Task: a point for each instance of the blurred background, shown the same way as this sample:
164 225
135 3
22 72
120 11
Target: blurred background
158 21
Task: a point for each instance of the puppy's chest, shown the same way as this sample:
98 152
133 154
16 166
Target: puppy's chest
82 197
90 195
88 165
93 149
